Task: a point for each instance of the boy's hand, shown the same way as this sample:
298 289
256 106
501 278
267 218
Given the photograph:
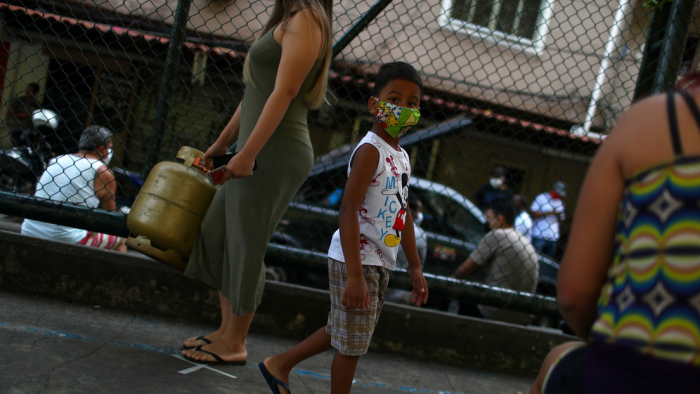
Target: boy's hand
356 293
419 295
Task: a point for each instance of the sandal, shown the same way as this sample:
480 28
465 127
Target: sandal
272 381
219 360
185 347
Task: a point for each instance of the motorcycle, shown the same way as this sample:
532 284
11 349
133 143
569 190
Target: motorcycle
22 165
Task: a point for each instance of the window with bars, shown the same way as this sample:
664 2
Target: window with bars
520 21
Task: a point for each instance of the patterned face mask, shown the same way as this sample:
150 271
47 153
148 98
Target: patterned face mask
394 119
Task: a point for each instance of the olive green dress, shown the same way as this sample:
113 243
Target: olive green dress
229 249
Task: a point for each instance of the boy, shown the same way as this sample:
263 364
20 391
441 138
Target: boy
373 221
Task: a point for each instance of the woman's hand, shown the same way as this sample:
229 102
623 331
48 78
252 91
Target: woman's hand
215 149
240 166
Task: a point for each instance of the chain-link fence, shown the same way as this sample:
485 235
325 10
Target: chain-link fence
518 95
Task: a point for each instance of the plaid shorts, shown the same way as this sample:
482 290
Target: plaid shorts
351 329
100 241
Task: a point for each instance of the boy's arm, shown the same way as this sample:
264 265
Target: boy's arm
362 168
408 243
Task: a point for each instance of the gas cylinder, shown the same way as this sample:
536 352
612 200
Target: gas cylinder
169 209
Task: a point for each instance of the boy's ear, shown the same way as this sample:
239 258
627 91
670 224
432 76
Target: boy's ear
372 104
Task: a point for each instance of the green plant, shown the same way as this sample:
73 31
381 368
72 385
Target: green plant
656 3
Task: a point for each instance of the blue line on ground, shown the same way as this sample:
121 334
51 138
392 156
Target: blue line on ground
162 350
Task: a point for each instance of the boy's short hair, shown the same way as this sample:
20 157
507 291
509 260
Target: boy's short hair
505 208
396 70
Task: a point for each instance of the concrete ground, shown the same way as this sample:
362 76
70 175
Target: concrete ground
57 347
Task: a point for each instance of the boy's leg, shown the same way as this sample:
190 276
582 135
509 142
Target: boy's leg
281 365
343 373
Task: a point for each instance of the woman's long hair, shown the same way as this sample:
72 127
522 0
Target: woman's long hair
322 11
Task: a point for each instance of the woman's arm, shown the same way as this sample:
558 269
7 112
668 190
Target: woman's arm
300 46
589 252
230 132
226 138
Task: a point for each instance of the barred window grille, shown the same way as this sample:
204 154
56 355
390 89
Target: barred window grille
521 21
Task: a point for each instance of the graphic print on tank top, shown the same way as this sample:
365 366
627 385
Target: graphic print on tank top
401 195
382 215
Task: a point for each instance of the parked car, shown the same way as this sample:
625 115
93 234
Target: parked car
452 223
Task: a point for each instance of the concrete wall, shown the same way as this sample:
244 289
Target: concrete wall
85 275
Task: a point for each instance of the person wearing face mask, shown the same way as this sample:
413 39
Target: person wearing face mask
374 219
496 189
508 259
81 178
416 208
547 212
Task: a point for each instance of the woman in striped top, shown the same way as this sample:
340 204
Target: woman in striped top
629 283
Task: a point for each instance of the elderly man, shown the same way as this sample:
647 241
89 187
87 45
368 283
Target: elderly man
507 256
80 178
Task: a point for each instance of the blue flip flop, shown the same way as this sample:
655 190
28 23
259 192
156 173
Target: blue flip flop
272 381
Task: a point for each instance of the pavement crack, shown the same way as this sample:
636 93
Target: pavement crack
93 351
305 385
38 319
447 378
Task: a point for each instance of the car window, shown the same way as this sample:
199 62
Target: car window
446 216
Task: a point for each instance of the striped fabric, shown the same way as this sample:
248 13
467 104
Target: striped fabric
651 299
100 241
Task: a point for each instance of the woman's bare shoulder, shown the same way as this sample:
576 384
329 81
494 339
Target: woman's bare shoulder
304 20
641 137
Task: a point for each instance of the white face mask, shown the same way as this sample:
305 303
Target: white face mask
496 183
106 159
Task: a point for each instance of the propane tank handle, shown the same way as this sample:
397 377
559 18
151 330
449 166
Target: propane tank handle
188 155
199 165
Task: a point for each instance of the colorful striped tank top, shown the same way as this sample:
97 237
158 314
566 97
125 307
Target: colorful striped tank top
651 299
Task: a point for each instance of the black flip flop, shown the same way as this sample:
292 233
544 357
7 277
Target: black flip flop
184 347
272 381
219 360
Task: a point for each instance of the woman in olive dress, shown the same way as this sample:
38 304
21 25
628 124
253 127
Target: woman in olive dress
286 73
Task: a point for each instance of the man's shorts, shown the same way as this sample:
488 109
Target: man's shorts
351 329
100 241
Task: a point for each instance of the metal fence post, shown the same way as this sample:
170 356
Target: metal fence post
167 87
673 44
355 30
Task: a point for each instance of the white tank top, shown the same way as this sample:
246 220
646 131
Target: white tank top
382 215
68 178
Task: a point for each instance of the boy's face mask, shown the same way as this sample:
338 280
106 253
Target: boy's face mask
394 119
